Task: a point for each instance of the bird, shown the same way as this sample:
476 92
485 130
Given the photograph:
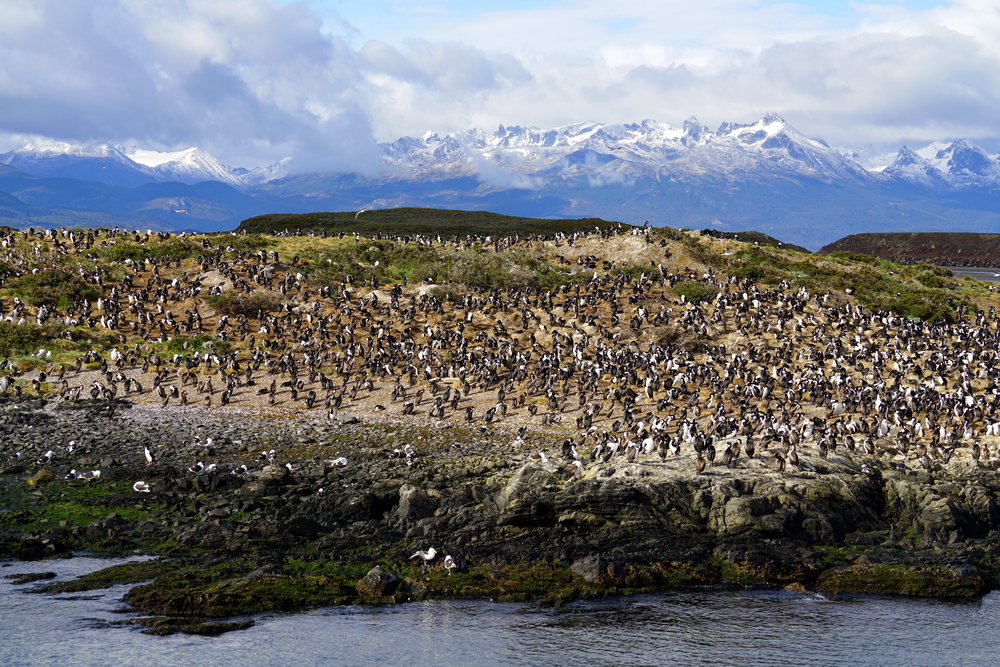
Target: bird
320 492
150 456
449 563
90 475
339 462
70 475
141 487
197 467
242 470
426 554
45 458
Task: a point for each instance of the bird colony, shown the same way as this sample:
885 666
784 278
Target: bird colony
612 366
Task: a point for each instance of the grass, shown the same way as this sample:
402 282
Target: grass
52 287
331 264
411 221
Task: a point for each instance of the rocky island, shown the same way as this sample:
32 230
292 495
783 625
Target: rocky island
290 416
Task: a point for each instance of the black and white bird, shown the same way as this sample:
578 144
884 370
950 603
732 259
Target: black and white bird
45 458
197 467
70 475
339 462
89 475
150 456
141 487
242 470
449 563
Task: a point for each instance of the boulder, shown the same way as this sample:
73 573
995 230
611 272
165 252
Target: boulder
377 583
43 476
414 503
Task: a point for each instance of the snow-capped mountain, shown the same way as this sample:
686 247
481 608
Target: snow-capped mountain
763 175
115 165
649 149
193 165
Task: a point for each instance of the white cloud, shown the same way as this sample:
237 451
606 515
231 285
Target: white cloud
255 80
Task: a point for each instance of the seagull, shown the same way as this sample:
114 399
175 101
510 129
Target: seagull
320 492
339 462
70 475
150 456
71 446
449 563
242 470
45 458
428 555
197 467
91 475
181 210
141 487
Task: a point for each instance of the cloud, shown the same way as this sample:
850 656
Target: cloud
246 79
253 81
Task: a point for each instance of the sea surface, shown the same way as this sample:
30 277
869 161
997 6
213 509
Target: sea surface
711 627
990 275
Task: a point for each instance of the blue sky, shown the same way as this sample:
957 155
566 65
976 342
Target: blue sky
322 81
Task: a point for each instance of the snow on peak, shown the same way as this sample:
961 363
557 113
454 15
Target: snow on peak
156 158
114 164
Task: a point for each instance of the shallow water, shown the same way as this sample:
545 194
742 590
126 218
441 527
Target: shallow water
691 628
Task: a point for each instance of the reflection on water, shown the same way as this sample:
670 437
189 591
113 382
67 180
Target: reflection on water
711 627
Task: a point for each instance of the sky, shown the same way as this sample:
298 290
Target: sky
323 81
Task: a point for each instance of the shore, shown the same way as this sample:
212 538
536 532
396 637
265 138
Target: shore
516 527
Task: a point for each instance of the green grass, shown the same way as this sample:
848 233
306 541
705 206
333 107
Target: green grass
54 286
391 262
425 221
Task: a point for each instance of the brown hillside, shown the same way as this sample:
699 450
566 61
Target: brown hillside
941 248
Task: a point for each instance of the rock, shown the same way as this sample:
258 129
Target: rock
43 476
414 504
596 570
30 577
378 583
413 588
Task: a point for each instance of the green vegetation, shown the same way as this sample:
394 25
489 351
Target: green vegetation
248 305
695 292
884 579
408 221
52 287
390 262
921 291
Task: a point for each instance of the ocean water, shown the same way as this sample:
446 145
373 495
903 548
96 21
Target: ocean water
990 275
710 627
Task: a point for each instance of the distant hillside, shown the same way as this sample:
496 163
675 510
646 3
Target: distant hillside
428 221
757 238
941 248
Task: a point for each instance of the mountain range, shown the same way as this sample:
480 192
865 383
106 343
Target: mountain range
764 175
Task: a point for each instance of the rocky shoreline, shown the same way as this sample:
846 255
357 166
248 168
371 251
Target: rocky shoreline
517 527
